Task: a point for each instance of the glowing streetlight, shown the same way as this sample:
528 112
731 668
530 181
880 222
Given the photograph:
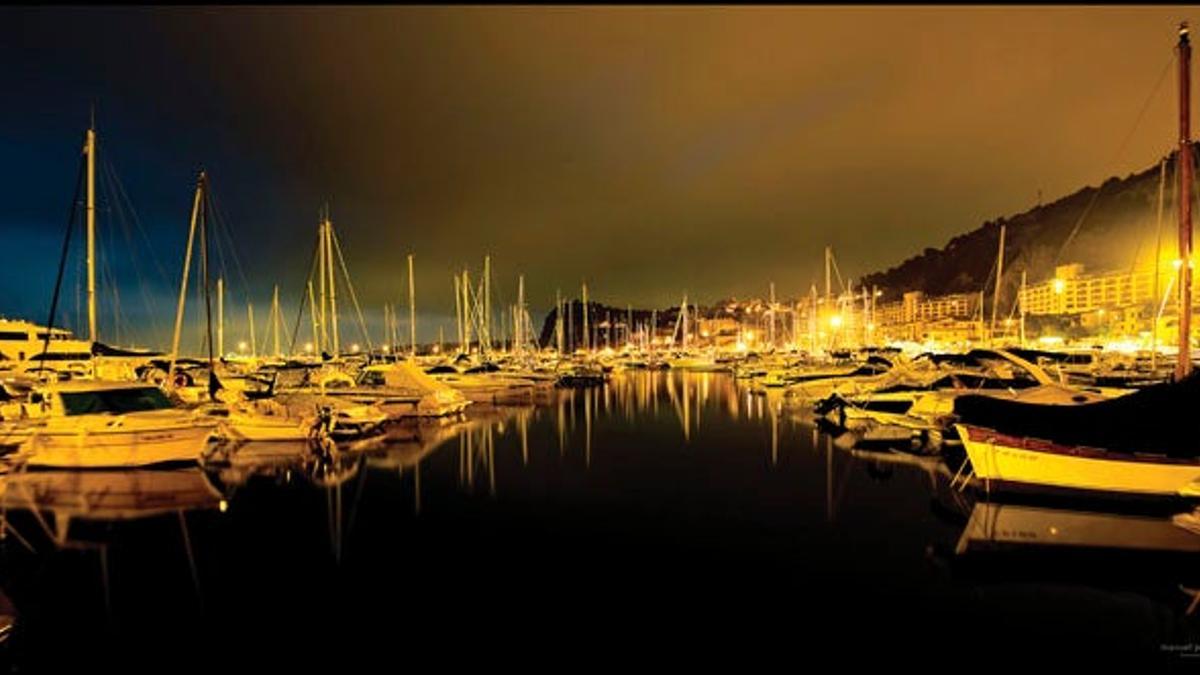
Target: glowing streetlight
836 321
1059 286
354 348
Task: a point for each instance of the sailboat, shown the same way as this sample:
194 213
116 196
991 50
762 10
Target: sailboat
89 424
1138 444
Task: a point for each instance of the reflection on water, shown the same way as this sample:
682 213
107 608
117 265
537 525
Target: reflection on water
679 492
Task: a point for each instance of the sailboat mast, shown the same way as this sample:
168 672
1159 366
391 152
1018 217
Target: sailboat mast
466 291
1022 299
90 150
277 318
333 317
828 274
487 301
458 312
683 313
250 318
323 340
586 334
412 308
221 316
316 333
558 321
187 264
999 275
771 330
1184 365
519 318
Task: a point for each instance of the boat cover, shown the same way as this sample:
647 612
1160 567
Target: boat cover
1155 420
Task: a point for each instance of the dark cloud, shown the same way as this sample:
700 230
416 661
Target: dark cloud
647 150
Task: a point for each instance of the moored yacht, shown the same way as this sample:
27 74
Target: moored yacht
105 424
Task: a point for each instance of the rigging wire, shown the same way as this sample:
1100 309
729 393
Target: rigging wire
1120 151
62 263
312 265
123 211
337 246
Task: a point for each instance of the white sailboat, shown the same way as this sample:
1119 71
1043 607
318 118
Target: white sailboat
1137 444
89 424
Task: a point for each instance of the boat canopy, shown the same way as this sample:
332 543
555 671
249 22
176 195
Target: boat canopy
1156 420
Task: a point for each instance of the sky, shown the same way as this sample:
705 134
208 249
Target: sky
649 151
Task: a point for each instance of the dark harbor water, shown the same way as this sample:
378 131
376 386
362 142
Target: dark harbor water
667 518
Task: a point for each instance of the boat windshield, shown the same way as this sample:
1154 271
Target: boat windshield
372 378
115 401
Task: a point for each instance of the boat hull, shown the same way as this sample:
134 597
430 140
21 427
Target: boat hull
103 448
1007 459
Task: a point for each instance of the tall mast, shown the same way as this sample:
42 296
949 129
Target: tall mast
90 150
277 318
458 322
250 317
558 321
316 332
412 308
828 274
999 275
1023 309
1162 188
586 334
323 340
683 317
519 317
812 319
487 301
333 317
221 316
1184 365
466 291
771 331
187 263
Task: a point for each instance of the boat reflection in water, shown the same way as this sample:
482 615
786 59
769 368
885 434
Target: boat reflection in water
995 525
682 487
57 499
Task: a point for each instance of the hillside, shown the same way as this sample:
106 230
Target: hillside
1117 230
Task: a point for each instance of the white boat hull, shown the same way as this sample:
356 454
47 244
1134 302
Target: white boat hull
99 448
1008 459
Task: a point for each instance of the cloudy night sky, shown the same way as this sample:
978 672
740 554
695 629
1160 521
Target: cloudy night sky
648 151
